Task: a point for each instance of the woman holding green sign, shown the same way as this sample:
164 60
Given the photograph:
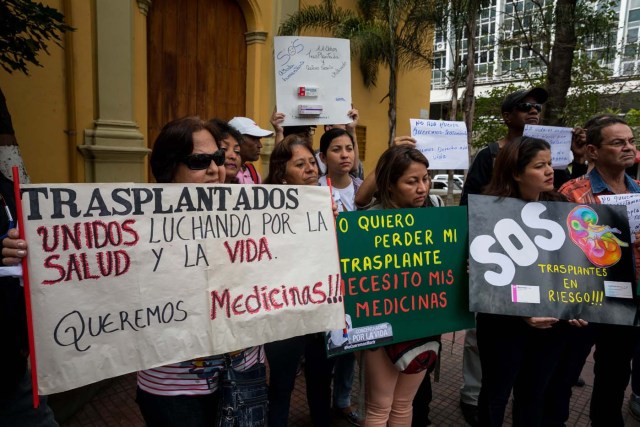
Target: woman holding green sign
519 353
402 181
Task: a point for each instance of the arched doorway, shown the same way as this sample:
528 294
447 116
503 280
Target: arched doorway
197 61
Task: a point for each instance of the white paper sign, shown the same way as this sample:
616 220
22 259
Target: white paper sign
127 277
313 80
443 143
558 137
632 202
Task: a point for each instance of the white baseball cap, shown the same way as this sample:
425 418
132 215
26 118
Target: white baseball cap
246 126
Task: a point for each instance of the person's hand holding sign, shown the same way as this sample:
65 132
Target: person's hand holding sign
13 248
540 322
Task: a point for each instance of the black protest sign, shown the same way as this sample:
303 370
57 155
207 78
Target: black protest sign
551 259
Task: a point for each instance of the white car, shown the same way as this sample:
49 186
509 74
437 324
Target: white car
440 188
458 179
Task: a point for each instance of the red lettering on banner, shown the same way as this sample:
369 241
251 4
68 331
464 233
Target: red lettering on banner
247 250
264 298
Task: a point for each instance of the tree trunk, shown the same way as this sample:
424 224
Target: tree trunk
393 93
469 93
559 70
9 150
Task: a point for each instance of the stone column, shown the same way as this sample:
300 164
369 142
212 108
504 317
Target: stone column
114 150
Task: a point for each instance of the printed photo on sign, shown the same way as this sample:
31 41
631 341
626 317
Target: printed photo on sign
127 277
551 259
403 276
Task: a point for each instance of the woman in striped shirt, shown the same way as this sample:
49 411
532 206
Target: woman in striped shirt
184 393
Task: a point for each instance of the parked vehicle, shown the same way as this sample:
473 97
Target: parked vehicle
440 188
459 179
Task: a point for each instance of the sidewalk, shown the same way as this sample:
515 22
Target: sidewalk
115 405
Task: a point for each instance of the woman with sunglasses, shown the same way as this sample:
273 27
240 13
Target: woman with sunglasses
184 394
519 353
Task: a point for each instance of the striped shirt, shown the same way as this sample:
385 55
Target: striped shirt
197 376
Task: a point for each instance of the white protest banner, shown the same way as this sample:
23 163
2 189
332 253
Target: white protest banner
632 202
558 137
127 277
443 143
313 80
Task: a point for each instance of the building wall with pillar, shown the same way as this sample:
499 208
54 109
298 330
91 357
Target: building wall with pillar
82 117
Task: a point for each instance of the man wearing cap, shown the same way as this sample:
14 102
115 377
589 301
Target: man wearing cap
249 148
519 108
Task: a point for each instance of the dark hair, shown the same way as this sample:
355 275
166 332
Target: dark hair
222 129
595 125
281 154
295 130
512 160
391 166
330 135
173 144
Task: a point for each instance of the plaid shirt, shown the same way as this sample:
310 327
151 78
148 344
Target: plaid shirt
586 189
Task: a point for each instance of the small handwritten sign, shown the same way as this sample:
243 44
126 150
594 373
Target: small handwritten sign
127 277
632 202
404 275
313 80
558 137
444 143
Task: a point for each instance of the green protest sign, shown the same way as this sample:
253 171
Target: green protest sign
404 273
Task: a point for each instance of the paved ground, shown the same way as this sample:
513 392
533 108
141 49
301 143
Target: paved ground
115 406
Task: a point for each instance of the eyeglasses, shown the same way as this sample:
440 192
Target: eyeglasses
202 161
527 106
619 143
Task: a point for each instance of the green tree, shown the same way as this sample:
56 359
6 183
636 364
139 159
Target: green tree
395 34
557 34
26 28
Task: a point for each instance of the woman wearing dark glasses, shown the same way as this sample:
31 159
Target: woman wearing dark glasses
185 393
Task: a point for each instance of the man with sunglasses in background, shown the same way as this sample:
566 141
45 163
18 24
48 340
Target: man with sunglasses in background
249 148
518 109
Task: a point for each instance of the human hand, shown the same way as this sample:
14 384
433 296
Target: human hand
579 144
404 140
13 248
354 115
578 323
277 118
540 322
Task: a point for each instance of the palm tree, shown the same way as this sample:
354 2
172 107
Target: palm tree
392 33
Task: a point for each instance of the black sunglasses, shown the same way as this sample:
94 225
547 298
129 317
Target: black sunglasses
202 161
527 106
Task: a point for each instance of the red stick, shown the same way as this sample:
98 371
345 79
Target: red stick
27 291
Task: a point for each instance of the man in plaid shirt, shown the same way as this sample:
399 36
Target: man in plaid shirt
611 147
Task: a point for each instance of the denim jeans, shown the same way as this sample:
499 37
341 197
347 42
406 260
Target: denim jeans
343 380
243 397
17 410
